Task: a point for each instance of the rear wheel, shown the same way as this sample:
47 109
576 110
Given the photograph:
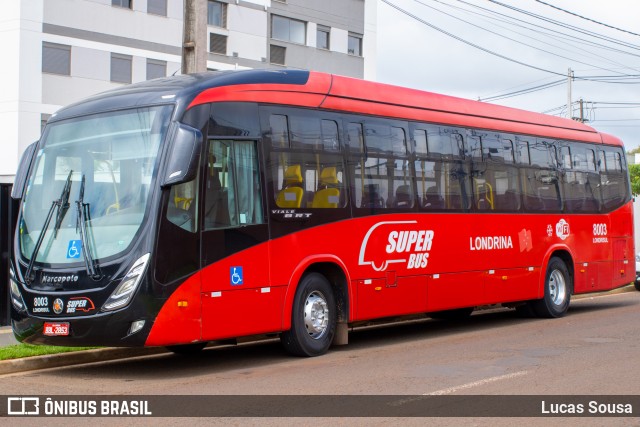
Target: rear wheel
313 318
637 285
557 291
187 349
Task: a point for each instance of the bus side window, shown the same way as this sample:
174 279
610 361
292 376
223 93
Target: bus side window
613 179
233 196
540 181
383 178
183 205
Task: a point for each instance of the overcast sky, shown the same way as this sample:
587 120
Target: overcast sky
413 54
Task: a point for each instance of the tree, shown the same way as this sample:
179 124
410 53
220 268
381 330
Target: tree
634 174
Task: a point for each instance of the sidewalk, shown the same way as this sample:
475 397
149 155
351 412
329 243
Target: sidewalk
6 336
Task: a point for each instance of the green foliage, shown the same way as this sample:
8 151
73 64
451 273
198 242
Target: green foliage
25 350
634 174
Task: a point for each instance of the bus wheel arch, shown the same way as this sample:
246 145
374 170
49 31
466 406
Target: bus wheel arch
323 285
557 286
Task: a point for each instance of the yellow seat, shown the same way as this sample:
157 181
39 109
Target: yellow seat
291 194
328 195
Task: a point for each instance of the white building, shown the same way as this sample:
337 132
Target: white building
59 51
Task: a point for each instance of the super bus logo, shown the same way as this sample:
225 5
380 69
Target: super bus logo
396 242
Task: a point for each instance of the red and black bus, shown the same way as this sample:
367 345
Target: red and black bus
208 207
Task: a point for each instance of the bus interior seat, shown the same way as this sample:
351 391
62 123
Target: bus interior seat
292 192
328 194
403 197
371 197
432 199
507 201
182 213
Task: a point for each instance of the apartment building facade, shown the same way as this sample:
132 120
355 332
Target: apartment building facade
61 51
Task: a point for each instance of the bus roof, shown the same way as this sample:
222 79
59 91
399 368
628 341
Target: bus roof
332 92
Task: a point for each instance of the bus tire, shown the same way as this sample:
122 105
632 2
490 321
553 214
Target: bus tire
557 291
313 318
187 349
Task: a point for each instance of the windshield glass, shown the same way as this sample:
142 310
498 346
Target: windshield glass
103 164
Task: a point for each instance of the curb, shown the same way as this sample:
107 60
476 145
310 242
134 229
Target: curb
12 366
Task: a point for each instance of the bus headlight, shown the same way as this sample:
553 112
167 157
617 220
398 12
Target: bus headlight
16 296
127 287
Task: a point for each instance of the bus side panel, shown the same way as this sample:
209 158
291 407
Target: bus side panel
455 290
237 296
623 262
516 284
239 312
178 322
391 296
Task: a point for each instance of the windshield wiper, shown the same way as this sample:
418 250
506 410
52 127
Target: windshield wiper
84 217
63 205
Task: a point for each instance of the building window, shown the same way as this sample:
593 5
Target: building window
290 30
322 37
217 14
122 3
355 45
120 68
218 43
56 59
277 54
156 69
157 7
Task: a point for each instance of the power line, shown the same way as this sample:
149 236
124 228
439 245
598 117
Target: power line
570 27
588 19
468 42
523 91
509 38
549 33
544 31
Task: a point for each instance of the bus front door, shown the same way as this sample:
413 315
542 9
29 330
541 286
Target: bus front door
236 297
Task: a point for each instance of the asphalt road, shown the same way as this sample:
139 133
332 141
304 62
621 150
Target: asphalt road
592 351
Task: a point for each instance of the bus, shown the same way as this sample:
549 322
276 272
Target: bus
208 207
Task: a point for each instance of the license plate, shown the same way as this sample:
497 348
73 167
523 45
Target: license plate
56 329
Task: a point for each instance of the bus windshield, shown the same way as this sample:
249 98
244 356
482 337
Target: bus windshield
90 185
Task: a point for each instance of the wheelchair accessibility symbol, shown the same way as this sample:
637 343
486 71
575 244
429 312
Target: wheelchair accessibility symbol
237 278
74 249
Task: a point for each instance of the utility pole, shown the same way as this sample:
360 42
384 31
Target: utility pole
581 111
569 102
194 37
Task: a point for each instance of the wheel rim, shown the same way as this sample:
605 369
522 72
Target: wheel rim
557 287
316 315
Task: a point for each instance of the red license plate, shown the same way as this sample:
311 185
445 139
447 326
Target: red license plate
56 329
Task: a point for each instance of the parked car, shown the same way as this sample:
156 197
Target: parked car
637 281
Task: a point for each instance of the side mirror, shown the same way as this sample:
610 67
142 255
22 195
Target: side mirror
184 156
20 183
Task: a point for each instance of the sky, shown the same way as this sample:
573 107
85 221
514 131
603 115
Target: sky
412 53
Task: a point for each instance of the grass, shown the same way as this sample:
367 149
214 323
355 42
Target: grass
19 351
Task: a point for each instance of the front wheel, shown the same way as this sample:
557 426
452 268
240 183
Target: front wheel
313 318
557 291
637 285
